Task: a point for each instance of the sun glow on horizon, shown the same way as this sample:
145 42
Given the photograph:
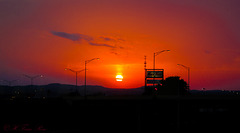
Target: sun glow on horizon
119 77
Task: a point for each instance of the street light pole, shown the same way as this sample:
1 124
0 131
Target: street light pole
76 74
76 79
32 77
85 81
154 61
188 69
85 86
155 54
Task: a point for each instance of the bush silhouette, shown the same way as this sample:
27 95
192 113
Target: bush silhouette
173 86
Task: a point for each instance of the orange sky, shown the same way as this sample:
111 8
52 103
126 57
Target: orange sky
44 37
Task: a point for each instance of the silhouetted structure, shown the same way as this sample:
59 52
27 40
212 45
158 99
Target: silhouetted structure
173 86
170 86
153 77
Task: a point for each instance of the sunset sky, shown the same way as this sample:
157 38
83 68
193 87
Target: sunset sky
46 36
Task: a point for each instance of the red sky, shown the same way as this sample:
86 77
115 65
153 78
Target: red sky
45 37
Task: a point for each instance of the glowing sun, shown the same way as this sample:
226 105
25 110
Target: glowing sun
119 77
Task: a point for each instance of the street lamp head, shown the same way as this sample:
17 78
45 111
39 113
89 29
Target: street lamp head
180 65
157 53
183 66
87 61
80 70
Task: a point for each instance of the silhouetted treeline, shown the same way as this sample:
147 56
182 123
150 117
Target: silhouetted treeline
59 90
170 86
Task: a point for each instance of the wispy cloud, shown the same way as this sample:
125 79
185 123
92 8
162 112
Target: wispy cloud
101 44
116 39
107 39
73 36
104 41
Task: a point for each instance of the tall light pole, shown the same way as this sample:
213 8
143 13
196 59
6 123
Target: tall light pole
188 69
32 77
155 54
75 72
85 86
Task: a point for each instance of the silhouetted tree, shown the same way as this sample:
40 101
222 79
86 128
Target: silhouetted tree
149 90
173 86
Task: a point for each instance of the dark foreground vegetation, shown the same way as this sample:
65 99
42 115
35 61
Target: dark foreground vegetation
167 107
121 114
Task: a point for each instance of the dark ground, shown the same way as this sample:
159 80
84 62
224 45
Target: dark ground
136 114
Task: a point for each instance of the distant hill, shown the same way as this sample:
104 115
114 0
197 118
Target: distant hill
215 92
57 89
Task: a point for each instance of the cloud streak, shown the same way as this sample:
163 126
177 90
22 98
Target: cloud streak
73 36
90 40
107 39
101 44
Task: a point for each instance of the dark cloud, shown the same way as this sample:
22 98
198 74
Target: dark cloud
90 40
73 36
101 44
112 39
107 39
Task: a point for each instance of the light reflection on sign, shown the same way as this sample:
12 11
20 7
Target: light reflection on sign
153 77
154 74
154 81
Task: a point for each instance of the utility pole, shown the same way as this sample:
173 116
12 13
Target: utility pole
76 75
188 70
85 86
145 62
